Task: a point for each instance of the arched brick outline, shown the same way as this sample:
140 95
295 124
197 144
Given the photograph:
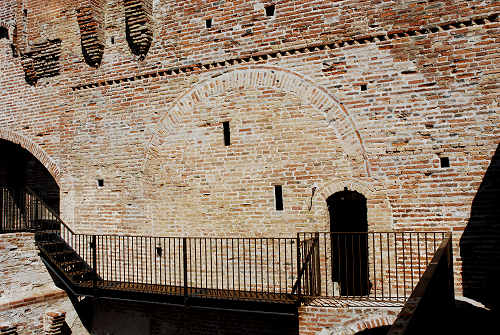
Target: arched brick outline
357 326
252 77
372 323
379 206
35 150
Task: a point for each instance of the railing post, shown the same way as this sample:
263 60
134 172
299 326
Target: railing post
451 282
1 210
93 245
299 284
318 267
184 257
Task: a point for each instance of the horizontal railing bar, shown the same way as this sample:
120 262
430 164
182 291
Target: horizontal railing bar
378 232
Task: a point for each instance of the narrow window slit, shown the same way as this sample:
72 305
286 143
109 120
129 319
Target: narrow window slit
208 23
4 33
445 162
100 182
270 10
278 194
227 133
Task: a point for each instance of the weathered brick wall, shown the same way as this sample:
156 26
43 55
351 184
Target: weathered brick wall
28 291
390 107
343 321
22 270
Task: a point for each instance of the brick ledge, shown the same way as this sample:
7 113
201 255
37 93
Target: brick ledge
19 301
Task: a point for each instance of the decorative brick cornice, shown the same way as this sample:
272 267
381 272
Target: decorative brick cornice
138 25
42 61
90 18
261 57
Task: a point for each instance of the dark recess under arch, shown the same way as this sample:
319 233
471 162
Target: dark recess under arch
4 33
19 168
348 218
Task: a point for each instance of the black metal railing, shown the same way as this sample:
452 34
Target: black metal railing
23 210
380 266
431 304
308 282
191 266
373 265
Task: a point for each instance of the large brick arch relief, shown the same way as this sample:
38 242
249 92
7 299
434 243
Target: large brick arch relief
257 77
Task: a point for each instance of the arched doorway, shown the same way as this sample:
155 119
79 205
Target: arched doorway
4 33
19 171
349 242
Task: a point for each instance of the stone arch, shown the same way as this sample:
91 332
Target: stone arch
372 323
379 206
35 150
251 77
357 326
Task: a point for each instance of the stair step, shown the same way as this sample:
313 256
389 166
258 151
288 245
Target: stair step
73 265
63 254
81 275
52 246
72 262
79 272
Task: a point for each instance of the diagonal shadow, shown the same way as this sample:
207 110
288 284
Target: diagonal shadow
480 242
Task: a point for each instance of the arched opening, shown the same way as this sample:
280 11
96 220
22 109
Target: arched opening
382 330
349 242
20 170
4 33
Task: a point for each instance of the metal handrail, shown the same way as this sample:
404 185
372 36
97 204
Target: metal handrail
47 207
317 264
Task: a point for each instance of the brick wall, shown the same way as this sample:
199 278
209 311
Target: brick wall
28 291
343 321
22 270
384 91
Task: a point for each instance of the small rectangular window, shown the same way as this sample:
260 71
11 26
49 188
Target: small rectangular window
445 162
270 10
278 194
100 182
227 134
208 23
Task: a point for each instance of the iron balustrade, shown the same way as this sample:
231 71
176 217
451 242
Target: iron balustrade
24 211
431 304
373 265
190 266
308 282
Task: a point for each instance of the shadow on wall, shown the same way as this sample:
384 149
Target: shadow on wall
110 317
480 242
